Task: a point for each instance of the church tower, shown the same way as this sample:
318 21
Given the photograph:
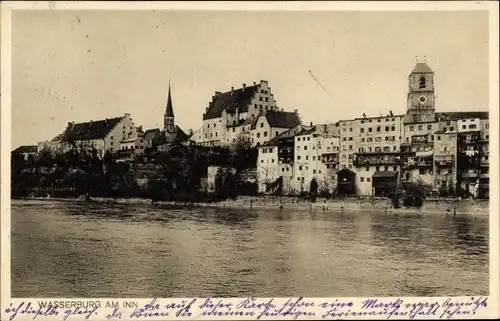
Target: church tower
421 96
168 118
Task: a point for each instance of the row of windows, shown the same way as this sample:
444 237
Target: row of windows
371 120
386 168
379 149
304 138
306 168
419 127
370 129
267 150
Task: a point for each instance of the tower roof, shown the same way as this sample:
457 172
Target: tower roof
422 68
169 110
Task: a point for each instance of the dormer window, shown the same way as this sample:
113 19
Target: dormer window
421 82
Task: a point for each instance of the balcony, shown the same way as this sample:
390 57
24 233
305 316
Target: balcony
444 163
329 158
470 174
369 161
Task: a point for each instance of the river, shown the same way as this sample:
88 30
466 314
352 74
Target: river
64 249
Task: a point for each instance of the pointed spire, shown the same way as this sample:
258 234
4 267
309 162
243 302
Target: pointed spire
169 110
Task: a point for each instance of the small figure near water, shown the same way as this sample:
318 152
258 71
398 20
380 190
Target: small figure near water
281 207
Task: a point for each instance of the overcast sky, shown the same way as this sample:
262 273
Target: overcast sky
90 65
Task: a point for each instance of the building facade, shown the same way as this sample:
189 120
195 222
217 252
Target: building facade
248 111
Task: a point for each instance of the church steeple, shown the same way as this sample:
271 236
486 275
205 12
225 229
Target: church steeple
421 94
169 124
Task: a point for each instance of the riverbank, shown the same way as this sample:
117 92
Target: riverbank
366 204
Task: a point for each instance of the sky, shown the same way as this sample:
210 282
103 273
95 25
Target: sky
90 65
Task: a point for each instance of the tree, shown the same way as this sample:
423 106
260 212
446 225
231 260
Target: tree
313 190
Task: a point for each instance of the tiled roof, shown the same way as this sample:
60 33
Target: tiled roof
91 130
240 98
282 119
58 138
179 136
421 68
385 174
25 149
307 131
150 134
462 115
286 134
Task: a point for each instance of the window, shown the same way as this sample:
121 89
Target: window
378 129
350 138
350 129
412 128
261 125
487 125
386 128
308 138
472 126
386 168
343 129
265 134
464 126
314 157
344 139
394 168
377 168
307 157
419 127
258 135
421 83
429 127
300 167
362 179
367 168
407 139
369 129
362 130
362 140
298 157
305 147
298 147
368 179
298 139
314 171
452 128
421 171
267 99
438 137
393 128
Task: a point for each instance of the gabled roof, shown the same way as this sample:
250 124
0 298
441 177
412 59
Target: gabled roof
346 171
286 134
384 174
307 131
150 134
25 149
229 100
90 130
456 115
282 119
58 138
422 68
178 136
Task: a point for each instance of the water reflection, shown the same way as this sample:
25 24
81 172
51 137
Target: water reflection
91 250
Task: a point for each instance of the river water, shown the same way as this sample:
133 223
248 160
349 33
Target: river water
63 249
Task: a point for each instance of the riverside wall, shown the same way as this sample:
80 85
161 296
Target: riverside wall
367 204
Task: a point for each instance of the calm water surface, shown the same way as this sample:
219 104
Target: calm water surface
95 250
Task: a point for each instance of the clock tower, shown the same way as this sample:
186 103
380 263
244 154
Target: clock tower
421 96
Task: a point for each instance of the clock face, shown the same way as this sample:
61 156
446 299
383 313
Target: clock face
422 99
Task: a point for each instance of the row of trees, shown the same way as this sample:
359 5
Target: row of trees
178 173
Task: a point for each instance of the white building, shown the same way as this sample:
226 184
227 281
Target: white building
249 110
102 135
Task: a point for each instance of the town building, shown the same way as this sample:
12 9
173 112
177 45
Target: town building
101 136
249 111
316 157
275 161
25 152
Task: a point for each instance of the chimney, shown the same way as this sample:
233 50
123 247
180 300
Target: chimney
310 124
217 93
244 86
70 125
295 111
232 89
254 83
282 109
